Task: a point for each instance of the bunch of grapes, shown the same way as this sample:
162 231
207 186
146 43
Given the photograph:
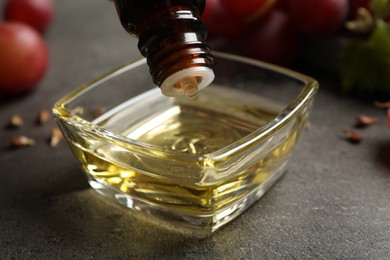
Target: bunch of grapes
271 30
23 50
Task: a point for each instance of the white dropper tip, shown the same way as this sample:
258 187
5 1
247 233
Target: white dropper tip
187 82
189 86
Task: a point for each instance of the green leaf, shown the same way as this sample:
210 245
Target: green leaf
365 65
381 8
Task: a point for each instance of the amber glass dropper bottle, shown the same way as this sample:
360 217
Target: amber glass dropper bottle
173 39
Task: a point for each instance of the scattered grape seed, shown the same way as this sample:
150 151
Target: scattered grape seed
382 105
364 120
96 112
352 136
16 121
43 117
55 137
20 141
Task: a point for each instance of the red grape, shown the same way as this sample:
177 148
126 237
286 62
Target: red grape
248 8
274 40
23 56
220 21
36 13
209 10
318 17
283 5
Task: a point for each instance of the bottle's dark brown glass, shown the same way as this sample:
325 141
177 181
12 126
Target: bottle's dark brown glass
173 39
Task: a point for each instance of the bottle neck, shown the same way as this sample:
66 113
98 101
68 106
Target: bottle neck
175 44
173 39
133 12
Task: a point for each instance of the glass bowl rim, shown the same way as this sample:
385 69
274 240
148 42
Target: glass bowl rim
309 89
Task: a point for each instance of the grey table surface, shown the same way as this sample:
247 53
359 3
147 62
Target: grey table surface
333 203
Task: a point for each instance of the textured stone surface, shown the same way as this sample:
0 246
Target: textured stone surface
332 204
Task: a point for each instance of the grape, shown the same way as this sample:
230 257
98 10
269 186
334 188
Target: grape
283 5
23 56
209 10
36 13
246 8
274 40
318 17
221 22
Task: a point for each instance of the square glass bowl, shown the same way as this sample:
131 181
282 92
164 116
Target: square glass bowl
191 165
